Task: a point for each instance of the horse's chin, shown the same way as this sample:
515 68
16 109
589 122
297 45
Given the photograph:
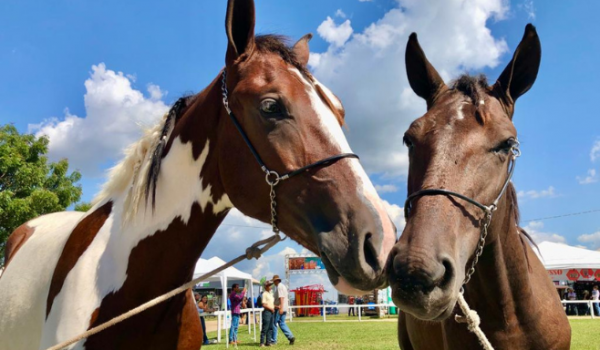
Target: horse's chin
345 288
435 306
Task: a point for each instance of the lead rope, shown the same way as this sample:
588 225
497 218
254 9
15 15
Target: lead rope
470 317
252 252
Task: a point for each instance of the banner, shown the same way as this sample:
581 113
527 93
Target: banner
306 263
574 275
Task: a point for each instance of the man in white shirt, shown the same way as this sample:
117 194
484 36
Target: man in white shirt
268 304
281 305
595 299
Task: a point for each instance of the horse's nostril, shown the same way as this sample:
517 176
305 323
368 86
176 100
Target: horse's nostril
370 252
448 273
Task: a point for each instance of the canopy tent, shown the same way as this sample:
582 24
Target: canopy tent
204 266
564 262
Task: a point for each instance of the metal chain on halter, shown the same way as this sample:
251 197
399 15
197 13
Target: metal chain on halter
480 245
273 182
489 211
271 177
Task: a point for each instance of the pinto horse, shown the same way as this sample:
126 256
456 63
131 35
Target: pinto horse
460 153
67 272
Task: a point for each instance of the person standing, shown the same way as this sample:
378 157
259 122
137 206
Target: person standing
596 299
202 304
235 298
281 303
351 308
268 304
571 295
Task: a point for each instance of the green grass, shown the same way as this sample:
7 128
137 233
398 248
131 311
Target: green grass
379 335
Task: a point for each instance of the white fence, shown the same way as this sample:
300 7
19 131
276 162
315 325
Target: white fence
589 302
358 308
255 314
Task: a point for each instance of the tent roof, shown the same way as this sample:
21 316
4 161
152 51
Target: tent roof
557 256
203 266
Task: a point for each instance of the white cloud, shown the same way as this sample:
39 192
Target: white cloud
592 240
155 92
396 213
528 8
549 193
591 178
115 116
336 35
339 13
595 152
368 74
536 231
386 188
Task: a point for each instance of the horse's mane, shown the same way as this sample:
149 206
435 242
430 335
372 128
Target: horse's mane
471 86
138 172
511 196
280 45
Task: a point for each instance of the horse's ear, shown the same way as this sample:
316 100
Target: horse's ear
520 73
301 50
239 25
423 78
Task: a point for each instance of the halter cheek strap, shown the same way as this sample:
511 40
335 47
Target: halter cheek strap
272 177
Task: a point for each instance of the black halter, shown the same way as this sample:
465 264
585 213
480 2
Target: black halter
272 177
488 209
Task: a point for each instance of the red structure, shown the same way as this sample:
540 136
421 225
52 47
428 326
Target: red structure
309 295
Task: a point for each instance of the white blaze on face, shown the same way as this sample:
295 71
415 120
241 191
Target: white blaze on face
365 189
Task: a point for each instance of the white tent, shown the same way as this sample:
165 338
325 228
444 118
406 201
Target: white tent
559 259
204 266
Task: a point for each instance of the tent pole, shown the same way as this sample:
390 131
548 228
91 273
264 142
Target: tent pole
225 315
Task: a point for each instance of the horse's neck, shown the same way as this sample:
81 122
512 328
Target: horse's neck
189 202
501 290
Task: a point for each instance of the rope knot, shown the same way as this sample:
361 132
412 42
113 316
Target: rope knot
471 318
253 253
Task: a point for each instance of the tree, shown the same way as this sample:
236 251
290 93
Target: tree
29 185
83 206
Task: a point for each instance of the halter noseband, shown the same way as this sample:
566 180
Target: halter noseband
272 177
488 209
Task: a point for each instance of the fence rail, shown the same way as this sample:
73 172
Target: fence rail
589 302
255 314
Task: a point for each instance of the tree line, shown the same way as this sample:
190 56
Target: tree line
30 185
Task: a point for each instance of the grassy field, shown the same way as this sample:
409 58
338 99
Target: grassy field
381 334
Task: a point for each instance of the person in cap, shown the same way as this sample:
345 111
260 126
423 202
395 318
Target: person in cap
281 304
268 304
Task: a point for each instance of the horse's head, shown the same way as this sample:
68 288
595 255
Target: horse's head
292 121
462 144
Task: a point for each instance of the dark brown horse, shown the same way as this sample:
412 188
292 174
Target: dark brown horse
464 144
68 272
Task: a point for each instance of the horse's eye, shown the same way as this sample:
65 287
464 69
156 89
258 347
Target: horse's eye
270 107
408 142
506 145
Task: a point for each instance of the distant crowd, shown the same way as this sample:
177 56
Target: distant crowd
577 309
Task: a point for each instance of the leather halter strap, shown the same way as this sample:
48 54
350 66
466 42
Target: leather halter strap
515 152
272 177
323 162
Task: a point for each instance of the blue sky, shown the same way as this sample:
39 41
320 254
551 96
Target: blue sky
48 50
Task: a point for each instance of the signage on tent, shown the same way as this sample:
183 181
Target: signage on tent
573 275
587 273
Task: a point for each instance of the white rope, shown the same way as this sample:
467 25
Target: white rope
254 251
471 318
